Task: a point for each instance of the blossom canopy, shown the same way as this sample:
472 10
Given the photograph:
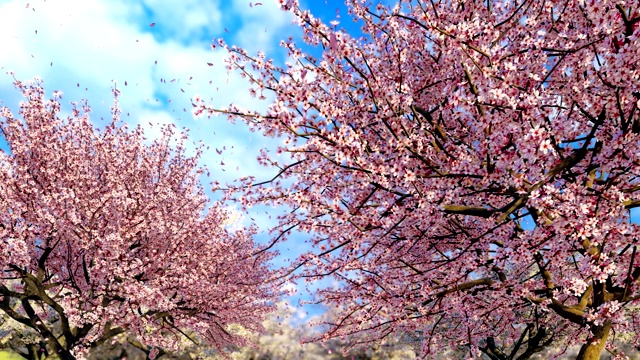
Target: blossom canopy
104 232
421 148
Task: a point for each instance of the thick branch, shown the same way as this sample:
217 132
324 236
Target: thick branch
460 287
468 210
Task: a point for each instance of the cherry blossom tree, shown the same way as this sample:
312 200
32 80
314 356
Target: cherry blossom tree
466 169
104 232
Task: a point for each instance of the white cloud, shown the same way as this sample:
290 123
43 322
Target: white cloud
263 26
93 42
187 21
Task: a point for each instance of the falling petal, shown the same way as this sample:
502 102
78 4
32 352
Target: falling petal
333 43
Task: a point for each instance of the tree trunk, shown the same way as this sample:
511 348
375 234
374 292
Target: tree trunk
592 350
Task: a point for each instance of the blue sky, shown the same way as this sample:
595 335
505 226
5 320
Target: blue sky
80 47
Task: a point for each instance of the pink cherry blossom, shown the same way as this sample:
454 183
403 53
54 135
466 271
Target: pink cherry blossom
102 232
420 147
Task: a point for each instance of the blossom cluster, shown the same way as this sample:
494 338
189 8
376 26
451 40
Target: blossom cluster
461 166
109 232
